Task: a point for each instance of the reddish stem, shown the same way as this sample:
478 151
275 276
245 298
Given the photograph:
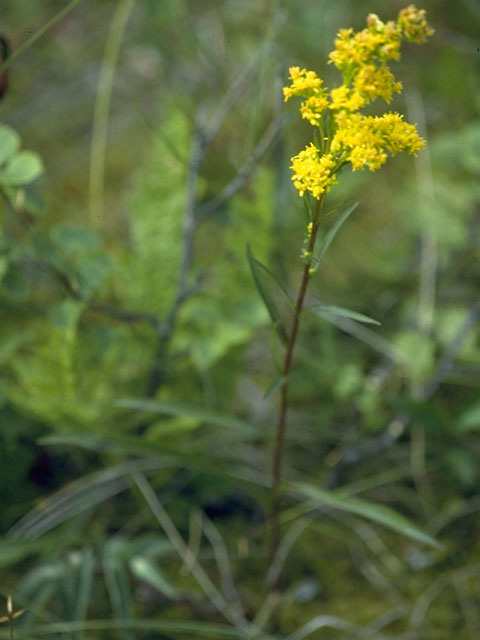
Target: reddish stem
282 418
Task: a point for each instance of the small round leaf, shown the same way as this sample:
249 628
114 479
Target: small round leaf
21 169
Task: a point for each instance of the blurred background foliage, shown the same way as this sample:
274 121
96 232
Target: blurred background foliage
138 291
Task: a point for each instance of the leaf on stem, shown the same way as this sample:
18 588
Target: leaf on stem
324 310
332 232
274 386
257 268
375 512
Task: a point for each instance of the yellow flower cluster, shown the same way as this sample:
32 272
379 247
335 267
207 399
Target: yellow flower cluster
413 25
307 85
362 141
313 171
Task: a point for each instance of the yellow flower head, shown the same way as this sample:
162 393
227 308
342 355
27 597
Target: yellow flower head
377 42
344 98
354 138
364 140
313 171
304 83
373 82
312 109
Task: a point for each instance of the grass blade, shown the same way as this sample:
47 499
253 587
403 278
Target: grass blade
375 512
198 413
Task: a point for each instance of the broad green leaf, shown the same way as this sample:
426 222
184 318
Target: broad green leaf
9 142
377 513
145 569
256 268
198 413
21 169
325 309
332 232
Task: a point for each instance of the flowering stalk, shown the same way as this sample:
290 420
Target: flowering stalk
344 136
308 271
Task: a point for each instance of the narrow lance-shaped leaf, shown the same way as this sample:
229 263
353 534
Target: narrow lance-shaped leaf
275 385
84 585
184 628
332 232
375 512
256 267
326 309
198 413
145 569
116 580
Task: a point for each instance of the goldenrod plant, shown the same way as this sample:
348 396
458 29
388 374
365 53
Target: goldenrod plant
343 135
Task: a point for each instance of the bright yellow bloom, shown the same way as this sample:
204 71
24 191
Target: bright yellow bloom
312 109
304 83
312 171
344 98
364 140
376 82
348 136
376 42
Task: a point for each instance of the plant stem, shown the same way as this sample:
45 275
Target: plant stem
282 418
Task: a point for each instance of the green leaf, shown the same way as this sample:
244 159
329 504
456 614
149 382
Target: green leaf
469 420
21 169
274 385
332 232
9 142
85 562
146 448
76 239
276 280
206 630
377 513
26 200
116 579
15 551
198 413
144 569
256 268
325 309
